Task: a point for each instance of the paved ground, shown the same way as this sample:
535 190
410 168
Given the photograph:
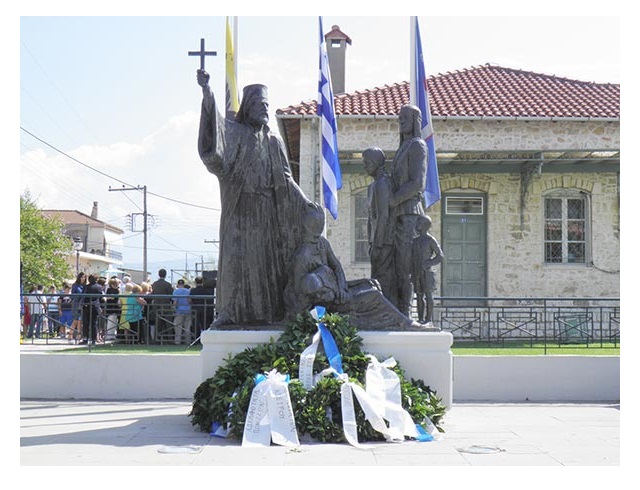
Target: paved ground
90 433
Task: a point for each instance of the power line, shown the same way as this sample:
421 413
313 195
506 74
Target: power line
114 178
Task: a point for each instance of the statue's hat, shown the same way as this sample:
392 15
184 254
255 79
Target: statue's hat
256 89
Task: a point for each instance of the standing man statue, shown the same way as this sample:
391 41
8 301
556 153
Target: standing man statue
261 213
380 223
408 174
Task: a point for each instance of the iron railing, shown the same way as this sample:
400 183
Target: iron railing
494 321
160 322
589 321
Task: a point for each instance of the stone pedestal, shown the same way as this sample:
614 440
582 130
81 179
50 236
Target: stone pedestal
422 355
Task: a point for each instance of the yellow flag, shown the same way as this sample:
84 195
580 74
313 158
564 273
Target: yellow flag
232 104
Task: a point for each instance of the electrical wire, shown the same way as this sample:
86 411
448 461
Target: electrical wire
177 201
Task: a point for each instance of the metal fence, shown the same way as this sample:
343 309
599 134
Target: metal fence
494 321
552 321
125 319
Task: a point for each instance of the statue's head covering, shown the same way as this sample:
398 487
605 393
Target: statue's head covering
249 93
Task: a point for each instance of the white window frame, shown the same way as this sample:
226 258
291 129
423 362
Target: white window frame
461 197
362 193
565 195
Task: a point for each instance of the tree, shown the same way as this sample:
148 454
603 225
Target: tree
43 247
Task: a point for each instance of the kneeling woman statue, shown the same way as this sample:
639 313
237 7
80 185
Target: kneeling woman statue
317 279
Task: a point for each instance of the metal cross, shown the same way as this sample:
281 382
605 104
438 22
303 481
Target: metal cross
202 53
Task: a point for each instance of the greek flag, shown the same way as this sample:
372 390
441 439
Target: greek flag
420 98
331 175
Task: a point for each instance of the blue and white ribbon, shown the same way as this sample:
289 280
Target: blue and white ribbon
381 402
308 356
270 415
383 385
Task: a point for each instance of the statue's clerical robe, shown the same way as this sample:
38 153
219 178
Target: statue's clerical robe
260 217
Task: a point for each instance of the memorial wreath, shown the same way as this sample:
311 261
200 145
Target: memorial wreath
308 376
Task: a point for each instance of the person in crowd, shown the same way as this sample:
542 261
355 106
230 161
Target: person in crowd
38 311
112 307
202 304
123 326
146 291
77 288
91 310
161 311
126 279
26 314
182 318
134 315
53 313
65 307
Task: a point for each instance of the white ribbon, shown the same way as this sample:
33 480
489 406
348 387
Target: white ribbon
371 411
305 371
383 386
270 415
381 400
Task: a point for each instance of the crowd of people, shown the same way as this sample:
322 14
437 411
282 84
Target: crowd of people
94 308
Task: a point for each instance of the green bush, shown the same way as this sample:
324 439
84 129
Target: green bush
225 397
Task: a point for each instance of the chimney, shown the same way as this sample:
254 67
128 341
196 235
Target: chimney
336 50
94 211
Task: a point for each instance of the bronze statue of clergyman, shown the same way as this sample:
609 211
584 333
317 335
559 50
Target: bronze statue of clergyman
261 208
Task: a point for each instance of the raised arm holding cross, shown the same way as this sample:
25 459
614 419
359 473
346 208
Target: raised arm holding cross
203 76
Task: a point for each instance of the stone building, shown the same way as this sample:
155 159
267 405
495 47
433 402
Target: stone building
529 169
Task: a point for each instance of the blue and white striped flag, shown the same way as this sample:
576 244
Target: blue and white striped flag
331 175
420 98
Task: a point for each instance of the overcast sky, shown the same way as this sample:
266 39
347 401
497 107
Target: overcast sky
118 100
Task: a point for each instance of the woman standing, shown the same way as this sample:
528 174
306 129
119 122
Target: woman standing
77 288
112 308
134 316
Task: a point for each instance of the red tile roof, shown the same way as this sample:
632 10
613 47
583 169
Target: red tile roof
485 91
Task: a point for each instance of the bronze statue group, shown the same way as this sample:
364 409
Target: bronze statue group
274 262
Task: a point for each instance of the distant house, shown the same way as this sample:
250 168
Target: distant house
96 241
529 170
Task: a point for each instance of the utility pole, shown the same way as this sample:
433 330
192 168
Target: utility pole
144 226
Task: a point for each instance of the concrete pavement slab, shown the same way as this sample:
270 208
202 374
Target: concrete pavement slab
156 432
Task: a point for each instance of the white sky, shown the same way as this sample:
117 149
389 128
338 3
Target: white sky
119 94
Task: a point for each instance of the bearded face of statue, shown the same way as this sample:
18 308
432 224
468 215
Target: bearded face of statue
258 111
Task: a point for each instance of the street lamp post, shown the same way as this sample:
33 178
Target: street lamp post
77 246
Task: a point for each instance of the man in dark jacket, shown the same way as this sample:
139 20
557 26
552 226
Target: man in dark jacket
202 303
162 311
91 310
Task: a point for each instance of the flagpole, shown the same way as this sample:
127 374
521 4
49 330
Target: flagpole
412 61
235 48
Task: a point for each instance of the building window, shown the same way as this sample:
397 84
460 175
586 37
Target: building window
464 205
360 220
565 229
